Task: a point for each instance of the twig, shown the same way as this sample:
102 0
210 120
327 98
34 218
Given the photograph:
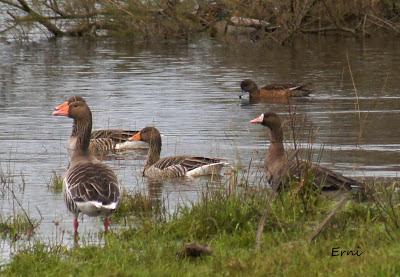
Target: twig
11 4
355 91
328 219
364 121
22 208
260 228
8 28
261 223
336 21
363 26
388 23
292 115
120 8
327 29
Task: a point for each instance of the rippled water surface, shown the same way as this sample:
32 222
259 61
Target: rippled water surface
190 92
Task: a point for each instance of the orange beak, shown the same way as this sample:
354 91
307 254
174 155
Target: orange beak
136 137
62 109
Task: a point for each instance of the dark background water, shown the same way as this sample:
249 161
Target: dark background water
190 92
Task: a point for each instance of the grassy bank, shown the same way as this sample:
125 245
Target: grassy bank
227 220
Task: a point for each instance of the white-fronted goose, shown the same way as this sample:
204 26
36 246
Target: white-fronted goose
106 140
279 167
273 91
174 166
90 187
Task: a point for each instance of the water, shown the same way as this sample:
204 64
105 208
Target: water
190 92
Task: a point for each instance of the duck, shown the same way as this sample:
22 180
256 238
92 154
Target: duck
105 141
273 91
90 186
279 166
174 166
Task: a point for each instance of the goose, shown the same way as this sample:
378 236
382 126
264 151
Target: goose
90 187
106 141
174 166
272 91
279 166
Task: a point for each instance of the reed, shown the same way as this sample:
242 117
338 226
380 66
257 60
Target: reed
56 183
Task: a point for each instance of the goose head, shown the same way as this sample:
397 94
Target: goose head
268 119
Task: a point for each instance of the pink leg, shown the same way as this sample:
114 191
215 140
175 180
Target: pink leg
76 224
106 224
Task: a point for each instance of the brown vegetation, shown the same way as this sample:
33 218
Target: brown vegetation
278 21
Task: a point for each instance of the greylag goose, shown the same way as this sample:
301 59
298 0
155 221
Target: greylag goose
279 166
273 90
90 187
106 140
174 166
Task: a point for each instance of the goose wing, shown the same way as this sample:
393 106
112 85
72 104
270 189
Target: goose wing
186 162
324 177
92 182
116 135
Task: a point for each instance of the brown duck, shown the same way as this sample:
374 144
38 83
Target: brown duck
90 187
106 140
273 91
280 167
174 166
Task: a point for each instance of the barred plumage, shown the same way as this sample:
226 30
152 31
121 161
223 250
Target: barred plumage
174 166
90 187
92 182
107 140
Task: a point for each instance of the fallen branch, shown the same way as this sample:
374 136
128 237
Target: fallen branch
328 29
248 22
328 219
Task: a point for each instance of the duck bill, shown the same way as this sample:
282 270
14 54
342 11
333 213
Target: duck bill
61 110
258 120
136 137
242 93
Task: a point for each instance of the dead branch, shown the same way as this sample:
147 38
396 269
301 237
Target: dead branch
46 21
54 7
328 219
11 4
335 20
328 29
40 19
385 22
8 28
248 22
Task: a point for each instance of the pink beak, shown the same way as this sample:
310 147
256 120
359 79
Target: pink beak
258 120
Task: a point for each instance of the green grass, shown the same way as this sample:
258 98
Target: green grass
56 183
227 222
135 205
17 226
